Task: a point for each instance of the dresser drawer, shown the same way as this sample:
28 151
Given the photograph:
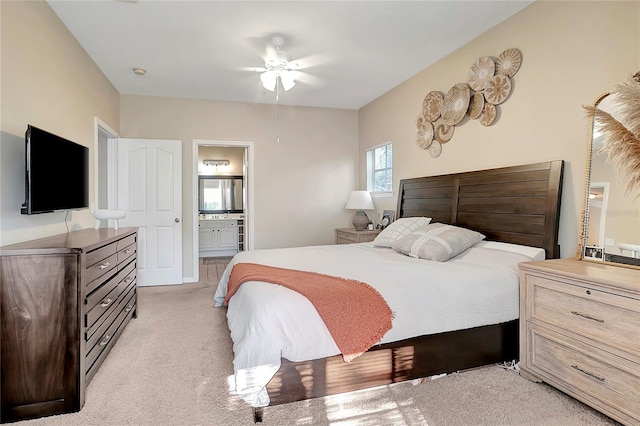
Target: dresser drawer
218 224
97 352
366 238
100 253
350 235
98 318
605 317
344 237
125 242
586 372
92 285
95 333
130 300
100 268
126 253
99 303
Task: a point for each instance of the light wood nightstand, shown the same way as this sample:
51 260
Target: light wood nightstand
351 236
579 332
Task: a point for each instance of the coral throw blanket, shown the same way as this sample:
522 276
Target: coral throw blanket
355 313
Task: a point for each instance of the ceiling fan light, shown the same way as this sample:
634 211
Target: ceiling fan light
268 79
287 81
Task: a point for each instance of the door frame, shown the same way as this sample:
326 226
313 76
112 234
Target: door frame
110 162
248 172
604 186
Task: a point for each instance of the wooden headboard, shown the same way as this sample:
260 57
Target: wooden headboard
519 204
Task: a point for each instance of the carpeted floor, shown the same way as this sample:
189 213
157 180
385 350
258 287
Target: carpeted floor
172 366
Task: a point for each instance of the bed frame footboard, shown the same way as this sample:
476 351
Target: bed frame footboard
396 362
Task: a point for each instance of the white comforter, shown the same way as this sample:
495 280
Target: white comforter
267 321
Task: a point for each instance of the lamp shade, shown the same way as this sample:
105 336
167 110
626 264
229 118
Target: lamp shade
287 80
360 200
269 80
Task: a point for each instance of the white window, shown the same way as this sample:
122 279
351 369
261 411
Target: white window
380 170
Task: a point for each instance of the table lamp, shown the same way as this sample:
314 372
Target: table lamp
360 201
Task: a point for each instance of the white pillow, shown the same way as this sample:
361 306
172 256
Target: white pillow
399 229
437 241
534 253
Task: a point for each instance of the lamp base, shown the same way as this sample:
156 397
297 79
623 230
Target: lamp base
360 220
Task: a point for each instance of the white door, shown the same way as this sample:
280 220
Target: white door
150 189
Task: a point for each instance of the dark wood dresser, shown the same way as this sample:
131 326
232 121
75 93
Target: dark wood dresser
65 300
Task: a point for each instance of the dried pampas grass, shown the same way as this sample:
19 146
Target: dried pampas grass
627 98
622 141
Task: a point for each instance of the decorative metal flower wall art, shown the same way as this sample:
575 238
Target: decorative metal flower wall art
489 85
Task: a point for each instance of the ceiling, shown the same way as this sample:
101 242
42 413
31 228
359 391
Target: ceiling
349 52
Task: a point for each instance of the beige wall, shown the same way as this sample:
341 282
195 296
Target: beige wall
572 52
234 155
49 81
301 183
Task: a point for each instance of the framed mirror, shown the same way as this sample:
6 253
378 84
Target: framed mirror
220 194
611 217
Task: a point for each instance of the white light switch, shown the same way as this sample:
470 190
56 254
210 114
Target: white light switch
608 242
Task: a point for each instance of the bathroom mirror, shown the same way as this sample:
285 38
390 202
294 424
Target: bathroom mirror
220 194
611 215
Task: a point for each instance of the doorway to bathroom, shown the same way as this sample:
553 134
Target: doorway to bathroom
223 199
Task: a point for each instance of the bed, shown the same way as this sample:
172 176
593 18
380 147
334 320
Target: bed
513 207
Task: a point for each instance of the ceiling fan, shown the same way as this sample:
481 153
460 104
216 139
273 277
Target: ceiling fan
278 68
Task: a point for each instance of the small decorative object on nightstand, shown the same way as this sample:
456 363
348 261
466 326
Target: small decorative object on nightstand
387 218
351 236
360 201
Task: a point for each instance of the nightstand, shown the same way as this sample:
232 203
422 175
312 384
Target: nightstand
579 332
351 236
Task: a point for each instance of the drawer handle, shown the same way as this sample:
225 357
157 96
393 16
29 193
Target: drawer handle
105 340
128 308
128 279
575 367
106 302
127 251
580 314
104 265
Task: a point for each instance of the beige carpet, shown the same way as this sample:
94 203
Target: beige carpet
172 364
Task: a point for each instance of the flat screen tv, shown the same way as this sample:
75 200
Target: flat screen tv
57 173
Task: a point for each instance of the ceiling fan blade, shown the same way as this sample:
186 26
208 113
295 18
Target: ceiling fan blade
292 66
253 69
288 80
309 79
269 80
312 61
